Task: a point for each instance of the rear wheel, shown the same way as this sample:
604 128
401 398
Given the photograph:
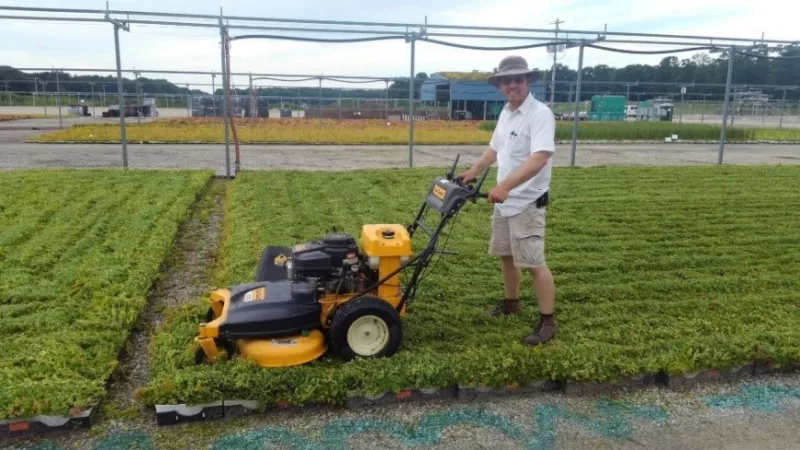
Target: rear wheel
366 327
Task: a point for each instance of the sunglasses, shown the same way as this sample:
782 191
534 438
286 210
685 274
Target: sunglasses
518 78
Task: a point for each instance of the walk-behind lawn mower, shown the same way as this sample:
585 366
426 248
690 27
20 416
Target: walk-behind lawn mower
331 293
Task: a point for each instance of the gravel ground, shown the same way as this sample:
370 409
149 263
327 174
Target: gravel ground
344 157
746 415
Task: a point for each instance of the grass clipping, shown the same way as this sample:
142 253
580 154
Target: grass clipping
379 132
676 269
78 253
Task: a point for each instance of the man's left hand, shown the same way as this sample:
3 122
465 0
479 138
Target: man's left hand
497 194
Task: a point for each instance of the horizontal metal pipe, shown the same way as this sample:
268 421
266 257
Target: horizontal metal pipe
52 19
290 29
199 72
54 10
345 31
720 39
351 77
620 33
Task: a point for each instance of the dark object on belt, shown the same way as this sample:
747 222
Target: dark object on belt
543 200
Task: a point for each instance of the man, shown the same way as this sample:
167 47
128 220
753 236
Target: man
523 144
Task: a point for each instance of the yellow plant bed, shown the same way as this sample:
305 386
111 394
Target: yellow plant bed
7 117
306 131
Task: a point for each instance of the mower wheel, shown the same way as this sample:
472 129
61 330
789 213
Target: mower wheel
366 327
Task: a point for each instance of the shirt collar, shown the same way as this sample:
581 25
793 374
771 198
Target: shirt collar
525 106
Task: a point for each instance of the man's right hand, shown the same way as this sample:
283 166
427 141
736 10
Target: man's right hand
466 177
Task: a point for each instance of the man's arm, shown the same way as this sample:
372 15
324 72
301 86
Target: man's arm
488 158
542 149
532 166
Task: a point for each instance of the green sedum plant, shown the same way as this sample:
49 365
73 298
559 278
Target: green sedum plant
673 269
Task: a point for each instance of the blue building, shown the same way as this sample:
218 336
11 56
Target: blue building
469 95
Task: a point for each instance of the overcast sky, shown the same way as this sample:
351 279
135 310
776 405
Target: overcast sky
48 44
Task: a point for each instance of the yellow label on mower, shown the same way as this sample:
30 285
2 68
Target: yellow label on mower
439 192
255 295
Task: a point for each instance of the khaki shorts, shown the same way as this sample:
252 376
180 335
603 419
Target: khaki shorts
520 236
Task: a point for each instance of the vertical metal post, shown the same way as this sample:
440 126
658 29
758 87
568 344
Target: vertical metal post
783 105
138 98
253 105
58 101
226 92
725 106
44 97
485 106
680 117
319 99
411 104
553 70
449 100
213 92
386 106
94 103
121 100
703 110
576 118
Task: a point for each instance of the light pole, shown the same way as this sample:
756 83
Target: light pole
553 70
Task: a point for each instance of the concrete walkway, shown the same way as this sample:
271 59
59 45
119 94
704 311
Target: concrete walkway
16 155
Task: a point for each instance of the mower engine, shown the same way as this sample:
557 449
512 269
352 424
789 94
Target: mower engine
333 264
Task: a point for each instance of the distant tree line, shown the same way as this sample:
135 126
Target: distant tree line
15 80
699 68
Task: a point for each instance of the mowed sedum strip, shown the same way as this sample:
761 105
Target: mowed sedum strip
676 269
79 250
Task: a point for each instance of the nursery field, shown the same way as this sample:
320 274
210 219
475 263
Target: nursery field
674 269
378 132
79 251
10 117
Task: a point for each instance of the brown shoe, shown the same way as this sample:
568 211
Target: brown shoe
506 307
544 332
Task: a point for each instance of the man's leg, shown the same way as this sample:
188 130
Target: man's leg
528 230
544 288
511 276
500 245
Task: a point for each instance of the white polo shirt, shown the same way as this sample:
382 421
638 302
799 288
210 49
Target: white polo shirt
519 134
